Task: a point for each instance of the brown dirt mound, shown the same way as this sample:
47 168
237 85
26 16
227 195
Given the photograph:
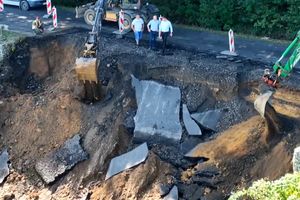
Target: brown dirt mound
243 147
273 165
235 142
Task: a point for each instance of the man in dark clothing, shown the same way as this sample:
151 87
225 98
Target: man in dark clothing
165 29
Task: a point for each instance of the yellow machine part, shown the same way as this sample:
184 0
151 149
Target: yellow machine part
111 16
86 69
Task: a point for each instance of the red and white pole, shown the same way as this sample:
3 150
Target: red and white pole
1 6
49 7
54 17
231 41
121 21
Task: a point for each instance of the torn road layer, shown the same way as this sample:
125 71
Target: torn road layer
61 160
190 125
127 160
4 170
157 116
173 195
208 119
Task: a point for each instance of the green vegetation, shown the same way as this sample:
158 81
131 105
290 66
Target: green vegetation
273 18
278 19
70 3
286 188
8 36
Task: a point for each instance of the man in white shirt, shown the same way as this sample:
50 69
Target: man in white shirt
153 27
165 29
137 26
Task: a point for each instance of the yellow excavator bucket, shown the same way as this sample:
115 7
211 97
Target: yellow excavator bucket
86 69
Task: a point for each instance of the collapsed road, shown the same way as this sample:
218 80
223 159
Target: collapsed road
42 110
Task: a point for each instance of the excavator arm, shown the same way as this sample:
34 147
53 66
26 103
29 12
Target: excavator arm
86 66
91 46
283 70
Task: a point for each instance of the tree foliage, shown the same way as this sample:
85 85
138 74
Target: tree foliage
272 18
71 3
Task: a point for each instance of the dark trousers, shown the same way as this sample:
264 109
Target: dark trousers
164 38
152 39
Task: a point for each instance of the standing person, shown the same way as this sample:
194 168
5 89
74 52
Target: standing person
137 26
165 29
153 27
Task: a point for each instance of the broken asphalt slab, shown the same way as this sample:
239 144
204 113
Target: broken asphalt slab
189 143
261 102
127 160
4 170
190 125
173 195
164 189
208 119
157 115
58 162
296 160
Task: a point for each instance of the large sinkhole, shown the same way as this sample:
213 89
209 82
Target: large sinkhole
42 86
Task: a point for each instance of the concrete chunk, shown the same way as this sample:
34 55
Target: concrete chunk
261 101
189 143
229 53
164 189
61 160
190 125
173 195
4 170
127 160
209 119
157 115
296 160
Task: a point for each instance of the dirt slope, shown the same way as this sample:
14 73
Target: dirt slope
40 111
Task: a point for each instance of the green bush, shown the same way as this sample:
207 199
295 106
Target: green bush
272 18
70 3
286 188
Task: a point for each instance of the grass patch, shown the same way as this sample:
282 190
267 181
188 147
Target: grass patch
8 36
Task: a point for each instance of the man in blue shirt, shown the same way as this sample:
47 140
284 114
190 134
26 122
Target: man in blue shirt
153 27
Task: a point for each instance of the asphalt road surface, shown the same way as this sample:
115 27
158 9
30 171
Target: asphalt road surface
254 49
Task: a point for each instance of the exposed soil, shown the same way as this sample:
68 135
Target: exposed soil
41 107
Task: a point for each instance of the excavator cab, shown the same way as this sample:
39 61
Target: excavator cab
131 4
112 9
